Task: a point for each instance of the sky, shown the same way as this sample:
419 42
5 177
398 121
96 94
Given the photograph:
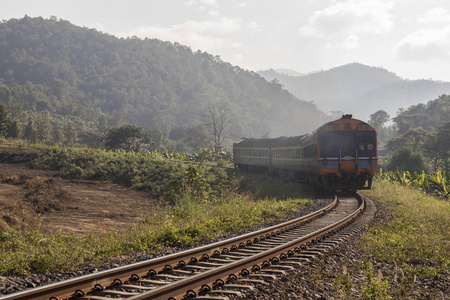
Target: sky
408 37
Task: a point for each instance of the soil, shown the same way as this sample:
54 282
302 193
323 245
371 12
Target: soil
28 196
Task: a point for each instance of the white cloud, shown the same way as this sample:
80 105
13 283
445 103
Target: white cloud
213 12
350 17
239 3
202 3
204 35
425 45
436 15
211 6
351 42
254 26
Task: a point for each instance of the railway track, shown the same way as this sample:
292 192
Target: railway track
216 271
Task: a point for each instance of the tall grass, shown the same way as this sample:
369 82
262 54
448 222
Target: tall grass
201 204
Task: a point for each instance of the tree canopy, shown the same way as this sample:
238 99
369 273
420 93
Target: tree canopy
126 137
50 65
423 138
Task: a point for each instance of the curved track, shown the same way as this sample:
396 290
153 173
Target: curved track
223 269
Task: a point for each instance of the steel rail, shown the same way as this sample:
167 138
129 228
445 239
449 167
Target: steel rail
84 284
209 278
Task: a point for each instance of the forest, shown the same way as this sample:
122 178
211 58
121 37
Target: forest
82 78
417 139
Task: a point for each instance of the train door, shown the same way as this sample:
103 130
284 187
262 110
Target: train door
348 145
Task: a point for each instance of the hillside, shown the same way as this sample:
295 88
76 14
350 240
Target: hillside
359 89
53 66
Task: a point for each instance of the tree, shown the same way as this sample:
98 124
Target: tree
432 150
443 140
57 136
378 119
30 132
14 129
217 119
70 133
405 159
43 128
126 137
413 138
4 121
102 123
91 139
196 137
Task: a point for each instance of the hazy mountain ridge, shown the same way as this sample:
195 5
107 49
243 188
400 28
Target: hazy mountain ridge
359 89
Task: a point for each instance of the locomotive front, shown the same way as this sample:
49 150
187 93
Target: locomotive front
347 156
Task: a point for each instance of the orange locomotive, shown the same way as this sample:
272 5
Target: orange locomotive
339 155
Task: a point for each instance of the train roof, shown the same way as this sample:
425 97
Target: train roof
270 143
345 123
340 123
345 119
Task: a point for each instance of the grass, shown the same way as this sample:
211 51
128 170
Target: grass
418 233
415 243
197 214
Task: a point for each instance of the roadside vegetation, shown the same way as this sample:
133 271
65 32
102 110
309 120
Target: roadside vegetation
437 184
198 204
408 252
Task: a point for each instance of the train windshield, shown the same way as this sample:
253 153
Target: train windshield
330 144
337 144
367 143
340 144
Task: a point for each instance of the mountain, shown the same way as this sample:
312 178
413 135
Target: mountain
289 72
360 90
52 66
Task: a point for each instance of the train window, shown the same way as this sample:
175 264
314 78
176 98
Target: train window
366 142
329 143
348 146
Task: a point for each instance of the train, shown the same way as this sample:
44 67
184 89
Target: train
340 155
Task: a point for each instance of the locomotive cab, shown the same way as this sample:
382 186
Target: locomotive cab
347 154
